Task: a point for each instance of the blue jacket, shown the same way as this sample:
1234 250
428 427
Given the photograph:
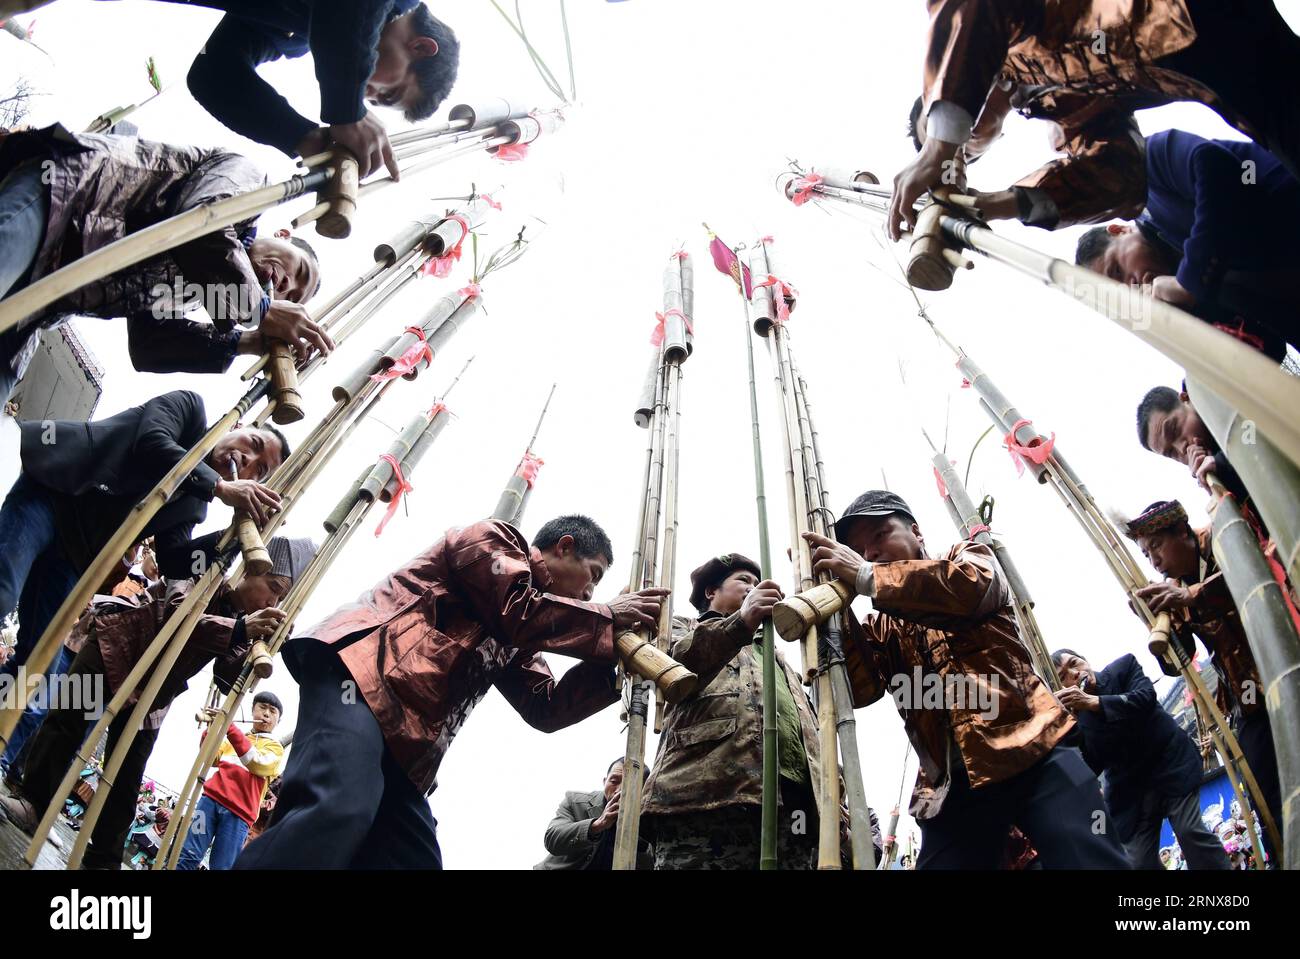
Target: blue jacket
1229 209
1139 746
341 35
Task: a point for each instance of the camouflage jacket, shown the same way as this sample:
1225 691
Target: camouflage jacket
711 750
471 612
944 642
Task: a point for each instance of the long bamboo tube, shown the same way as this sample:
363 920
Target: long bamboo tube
846 728
43 652
771 754
967 518
1243 377
1269 627
514 498
828 845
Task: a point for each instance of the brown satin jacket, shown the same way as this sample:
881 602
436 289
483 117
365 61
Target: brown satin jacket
953 617
1213 617
1046 59
711 750
471 612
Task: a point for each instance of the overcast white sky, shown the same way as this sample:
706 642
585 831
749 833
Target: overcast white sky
686 113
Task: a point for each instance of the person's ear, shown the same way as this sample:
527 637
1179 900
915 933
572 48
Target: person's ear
422 47
1117 229
282 234
564 545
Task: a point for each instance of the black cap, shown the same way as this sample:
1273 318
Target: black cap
714 572
876 502
271 699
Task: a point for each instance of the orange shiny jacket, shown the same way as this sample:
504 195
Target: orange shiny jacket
948 624
471 612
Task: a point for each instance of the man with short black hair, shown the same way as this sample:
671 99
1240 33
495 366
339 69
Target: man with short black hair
390 53
387 682
1215 238
1152 769
1168 425
950 624
581 835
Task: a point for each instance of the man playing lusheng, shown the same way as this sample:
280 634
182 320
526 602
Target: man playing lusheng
1152 769
1088 65
1196 595
388 681
702 805
109 641
581 835
1215 237
65 195
984 766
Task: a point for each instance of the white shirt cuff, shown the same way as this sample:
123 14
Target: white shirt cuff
948 122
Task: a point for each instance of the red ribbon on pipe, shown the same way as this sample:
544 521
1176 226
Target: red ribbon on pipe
805 187
487 198
471 291
1037 453
529 467
680 254
512 152
436 409
783 291
441 266
938 481
408 360
977 529
657 336
403 487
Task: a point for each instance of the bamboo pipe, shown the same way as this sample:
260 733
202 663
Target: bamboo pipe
152 240
1243 377
846 729
1272 480
771 755
510 506
1274 642
42 654
968 518
828 848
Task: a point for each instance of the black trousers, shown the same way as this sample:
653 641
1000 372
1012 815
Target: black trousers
1201 848
1057 804
344 803
1255 736
1246 54
54 746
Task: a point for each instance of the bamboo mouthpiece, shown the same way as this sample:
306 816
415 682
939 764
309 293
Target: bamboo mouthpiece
793 617
339 195
260 659
257 561
928 266
673 680
1158 643
284 385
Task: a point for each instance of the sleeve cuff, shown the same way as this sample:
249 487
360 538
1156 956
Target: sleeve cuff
865 583
948 122
1036 207
342 105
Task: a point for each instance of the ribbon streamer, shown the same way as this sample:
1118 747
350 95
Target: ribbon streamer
403 487
1038 453
529 467
657 337
805 188
487 198
979 528
471 291
938 481
441 266
408 360
784 292
512 152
